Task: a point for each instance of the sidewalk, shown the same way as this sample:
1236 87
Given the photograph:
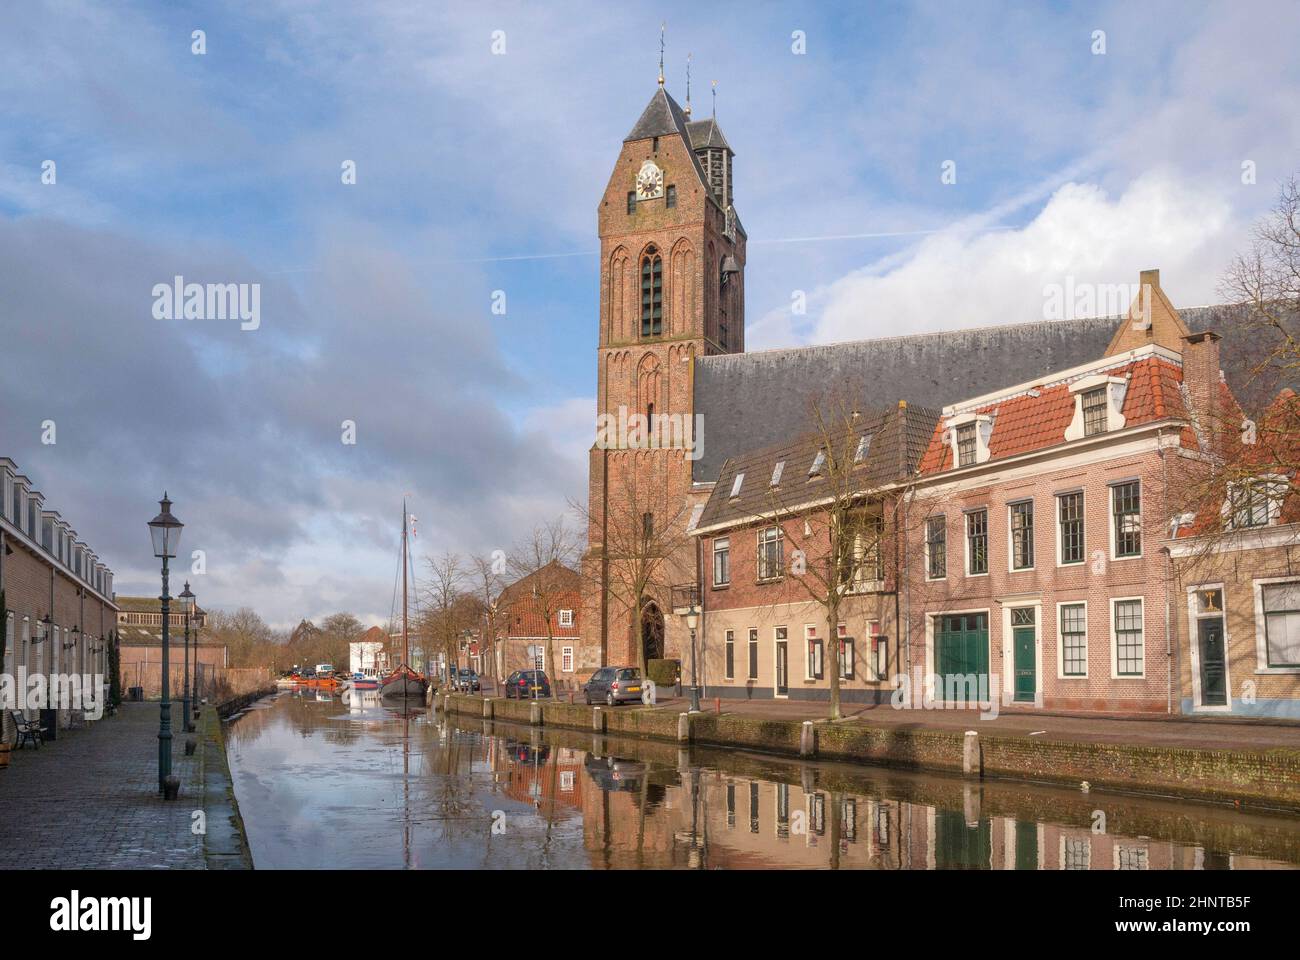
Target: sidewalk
1210 733
90 799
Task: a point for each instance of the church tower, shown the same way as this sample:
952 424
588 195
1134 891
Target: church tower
672 261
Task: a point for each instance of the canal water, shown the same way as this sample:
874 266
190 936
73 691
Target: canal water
323 782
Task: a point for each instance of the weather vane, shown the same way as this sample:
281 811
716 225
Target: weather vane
662 26
688 84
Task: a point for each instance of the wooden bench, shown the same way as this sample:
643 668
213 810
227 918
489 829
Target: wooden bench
29 731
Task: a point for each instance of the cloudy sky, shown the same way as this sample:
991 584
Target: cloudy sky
479 172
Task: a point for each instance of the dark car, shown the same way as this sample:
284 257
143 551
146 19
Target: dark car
614 685
527 684
466 680
615 773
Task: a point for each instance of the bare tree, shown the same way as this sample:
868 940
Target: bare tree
546 559
485 573
841 511
443 611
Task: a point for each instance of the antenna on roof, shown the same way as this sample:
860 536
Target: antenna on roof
715 100
688 85
662 25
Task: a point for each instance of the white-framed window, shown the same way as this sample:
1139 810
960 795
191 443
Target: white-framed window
813 652
864 448
729 650
1070 543
1277 625
1131 857
770 553
1020 528
566 781
753 653
736 485
566 618
1126 519
1128 637
1072 638
819 461
977 542
566 659
1076 853
1254 503
537 655
776 473
936 548
1098 402
722 561
967 436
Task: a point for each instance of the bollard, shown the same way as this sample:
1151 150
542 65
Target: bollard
807 739
189 747
717 705
535 713
971 762
487 709
683 728
807 778
570 696
597 721
970 804
171 787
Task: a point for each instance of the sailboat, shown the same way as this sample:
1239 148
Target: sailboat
404 683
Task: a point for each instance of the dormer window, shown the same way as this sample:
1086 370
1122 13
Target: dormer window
1098 401
736 484
776 473
818 463
967 436
1254 503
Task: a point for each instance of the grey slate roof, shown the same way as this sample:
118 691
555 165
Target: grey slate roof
706 133
754 400
898 439
662 117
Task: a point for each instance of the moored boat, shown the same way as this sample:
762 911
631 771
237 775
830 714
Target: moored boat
404 682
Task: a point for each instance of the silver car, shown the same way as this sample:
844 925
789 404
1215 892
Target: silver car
614 685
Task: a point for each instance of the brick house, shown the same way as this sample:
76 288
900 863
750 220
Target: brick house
763 625
1044 507
1236 579
59 595
521 629
139 631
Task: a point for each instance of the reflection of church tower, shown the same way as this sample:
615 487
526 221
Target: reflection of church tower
671 289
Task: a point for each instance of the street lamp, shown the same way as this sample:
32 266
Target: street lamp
692 619
187 607
195 715
166 533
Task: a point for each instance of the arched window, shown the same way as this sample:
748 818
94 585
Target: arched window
652 293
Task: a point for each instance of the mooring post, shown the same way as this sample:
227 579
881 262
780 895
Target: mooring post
535 713
597 721
487 709
683 728
807 739
971 766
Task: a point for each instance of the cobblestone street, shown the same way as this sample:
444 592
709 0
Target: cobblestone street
90 799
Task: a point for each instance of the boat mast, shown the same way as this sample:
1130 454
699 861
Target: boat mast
406 637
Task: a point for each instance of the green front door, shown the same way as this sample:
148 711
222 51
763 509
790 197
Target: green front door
1022 640
1026 845
961 656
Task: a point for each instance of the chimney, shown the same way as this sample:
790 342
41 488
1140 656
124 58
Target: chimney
1201 377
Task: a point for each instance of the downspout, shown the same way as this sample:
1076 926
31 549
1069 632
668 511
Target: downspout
699 588
1171 665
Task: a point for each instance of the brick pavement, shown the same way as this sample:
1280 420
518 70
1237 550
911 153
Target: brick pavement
90 799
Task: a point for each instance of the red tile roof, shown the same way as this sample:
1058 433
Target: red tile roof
1024 422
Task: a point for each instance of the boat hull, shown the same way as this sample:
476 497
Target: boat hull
400 687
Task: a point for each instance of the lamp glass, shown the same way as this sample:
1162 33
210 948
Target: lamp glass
165 530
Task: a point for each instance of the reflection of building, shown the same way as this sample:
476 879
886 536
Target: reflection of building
521 624
544 775
59 596
139 631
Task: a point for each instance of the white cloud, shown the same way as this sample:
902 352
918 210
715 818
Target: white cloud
960 279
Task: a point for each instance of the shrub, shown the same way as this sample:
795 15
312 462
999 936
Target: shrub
664 673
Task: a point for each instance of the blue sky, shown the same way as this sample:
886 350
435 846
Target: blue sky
479 172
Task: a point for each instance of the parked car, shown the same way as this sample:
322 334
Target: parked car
467 681
614 685
527 684
615 773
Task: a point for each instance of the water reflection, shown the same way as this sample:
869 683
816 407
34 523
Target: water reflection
329 781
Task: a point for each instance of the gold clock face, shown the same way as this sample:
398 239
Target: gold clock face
649 182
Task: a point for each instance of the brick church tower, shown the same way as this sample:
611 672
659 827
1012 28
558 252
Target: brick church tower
672 259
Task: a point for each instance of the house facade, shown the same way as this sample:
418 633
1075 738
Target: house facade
522 612
59 596
139 631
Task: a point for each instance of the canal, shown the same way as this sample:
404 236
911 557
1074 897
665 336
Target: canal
327 782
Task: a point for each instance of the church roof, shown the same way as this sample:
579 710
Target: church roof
754 400
662 117
706 133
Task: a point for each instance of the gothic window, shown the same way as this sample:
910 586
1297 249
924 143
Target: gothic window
652 293
631 201
671 196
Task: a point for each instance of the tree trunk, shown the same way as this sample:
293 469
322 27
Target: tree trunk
833 646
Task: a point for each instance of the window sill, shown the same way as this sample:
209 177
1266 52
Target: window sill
1276 671
760 582
718 587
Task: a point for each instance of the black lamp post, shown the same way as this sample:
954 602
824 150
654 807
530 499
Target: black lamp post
691 620
194 609
166 533
187 606
49 714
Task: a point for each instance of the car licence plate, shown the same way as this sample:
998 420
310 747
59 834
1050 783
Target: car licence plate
633 689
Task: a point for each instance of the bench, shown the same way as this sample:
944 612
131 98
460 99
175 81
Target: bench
29 731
